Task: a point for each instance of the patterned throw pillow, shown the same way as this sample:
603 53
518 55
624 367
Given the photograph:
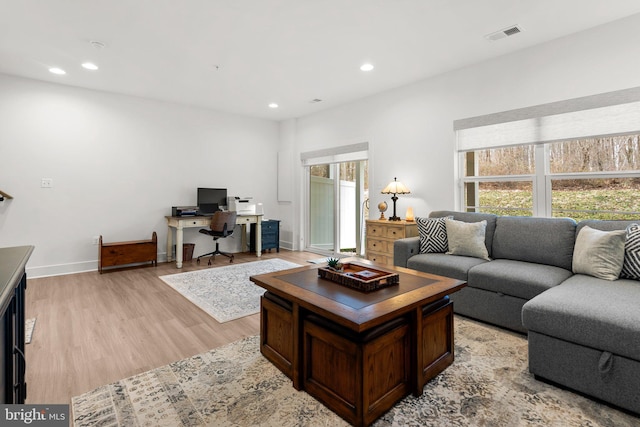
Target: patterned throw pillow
631 266
433 235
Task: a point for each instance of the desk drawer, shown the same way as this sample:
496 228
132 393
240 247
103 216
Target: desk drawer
245 220
196 222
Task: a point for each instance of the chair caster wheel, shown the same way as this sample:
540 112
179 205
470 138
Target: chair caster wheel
209 263
198 261
231 259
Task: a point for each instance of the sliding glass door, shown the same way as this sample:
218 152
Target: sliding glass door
336 207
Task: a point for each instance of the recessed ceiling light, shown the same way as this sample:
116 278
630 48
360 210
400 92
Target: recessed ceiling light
366 67
90 66
273 105
56 70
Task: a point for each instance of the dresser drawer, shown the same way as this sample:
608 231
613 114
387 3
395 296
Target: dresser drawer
376 230
377 245
269 226
379 258
394 231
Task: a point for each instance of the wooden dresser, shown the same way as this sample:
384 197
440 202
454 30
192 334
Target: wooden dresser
380 237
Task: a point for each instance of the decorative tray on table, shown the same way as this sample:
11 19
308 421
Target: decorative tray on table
361 277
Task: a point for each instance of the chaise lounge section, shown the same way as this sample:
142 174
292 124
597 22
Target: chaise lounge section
585 334
583 331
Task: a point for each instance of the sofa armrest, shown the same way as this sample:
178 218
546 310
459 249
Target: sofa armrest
403 249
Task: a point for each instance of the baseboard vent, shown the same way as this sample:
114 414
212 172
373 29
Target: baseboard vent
505 32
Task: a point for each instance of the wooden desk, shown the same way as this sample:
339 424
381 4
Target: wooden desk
358 353
179 223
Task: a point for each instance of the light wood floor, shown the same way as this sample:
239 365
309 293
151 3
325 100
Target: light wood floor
95 329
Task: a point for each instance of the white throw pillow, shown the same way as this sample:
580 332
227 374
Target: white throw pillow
599 253
467 238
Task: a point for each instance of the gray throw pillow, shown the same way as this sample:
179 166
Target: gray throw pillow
467 238
433 235
599 253
631 266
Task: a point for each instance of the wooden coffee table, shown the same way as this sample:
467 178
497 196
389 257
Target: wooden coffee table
358 353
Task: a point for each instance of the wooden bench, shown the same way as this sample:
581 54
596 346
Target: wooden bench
121 253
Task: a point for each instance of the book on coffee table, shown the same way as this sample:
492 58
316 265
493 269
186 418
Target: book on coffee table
365 274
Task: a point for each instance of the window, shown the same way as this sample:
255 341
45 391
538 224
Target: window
500 180
594 178
545 161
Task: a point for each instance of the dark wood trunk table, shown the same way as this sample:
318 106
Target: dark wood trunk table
358 353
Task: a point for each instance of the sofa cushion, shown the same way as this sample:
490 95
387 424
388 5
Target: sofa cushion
473 217
516 278
631 266
467 238
589 311
539 240
599 253
433 235
452 266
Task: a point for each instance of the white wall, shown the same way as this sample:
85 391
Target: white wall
410 129
118 164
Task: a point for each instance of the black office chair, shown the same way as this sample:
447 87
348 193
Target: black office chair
222 225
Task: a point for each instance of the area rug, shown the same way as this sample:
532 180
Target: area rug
29 326
487 385
226 293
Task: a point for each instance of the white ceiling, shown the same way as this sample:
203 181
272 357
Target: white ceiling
240 55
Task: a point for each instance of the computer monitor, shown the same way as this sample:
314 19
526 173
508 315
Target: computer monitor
210 200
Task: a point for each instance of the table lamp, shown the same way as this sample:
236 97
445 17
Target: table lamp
395 187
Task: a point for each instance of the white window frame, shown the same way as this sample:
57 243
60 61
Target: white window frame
541 181
608 114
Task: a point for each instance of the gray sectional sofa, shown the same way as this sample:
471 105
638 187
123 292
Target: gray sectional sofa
583 331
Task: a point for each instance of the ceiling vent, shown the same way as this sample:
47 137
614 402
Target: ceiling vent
97 44
505 32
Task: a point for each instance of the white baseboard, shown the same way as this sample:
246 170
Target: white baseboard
286 245
87 266
61 269
70 268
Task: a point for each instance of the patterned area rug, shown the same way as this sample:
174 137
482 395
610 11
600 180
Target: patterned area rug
226 293
488 385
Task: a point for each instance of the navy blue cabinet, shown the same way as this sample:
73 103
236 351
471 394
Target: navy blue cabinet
270 235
